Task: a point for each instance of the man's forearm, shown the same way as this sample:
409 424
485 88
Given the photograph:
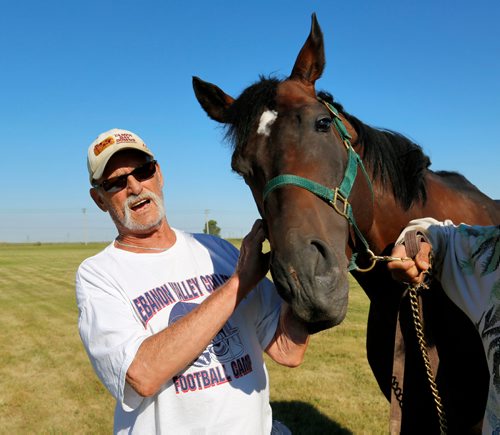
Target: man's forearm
163 355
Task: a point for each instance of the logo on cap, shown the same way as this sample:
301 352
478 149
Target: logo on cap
125 137
101 146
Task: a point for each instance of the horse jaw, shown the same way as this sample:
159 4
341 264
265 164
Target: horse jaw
308 268
319 300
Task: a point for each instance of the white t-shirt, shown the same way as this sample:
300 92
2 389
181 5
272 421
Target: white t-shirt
466 262
125 297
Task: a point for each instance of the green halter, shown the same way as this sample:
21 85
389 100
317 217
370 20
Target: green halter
338 194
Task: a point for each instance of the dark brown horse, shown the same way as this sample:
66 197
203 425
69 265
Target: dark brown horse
283 128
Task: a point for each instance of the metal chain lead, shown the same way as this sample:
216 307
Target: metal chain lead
388 258
373 259
413 293
398 392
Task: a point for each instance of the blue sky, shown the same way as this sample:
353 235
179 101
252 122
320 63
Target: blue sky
73 69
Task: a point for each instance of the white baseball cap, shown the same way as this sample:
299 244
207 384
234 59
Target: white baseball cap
109 143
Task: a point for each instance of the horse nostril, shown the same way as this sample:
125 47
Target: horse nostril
324 258
320 247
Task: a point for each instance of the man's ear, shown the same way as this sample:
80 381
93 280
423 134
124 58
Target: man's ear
98 199
160 175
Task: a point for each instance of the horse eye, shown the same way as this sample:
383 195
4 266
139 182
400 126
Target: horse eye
323 124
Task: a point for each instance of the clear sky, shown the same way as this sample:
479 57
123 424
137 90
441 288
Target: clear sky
73 69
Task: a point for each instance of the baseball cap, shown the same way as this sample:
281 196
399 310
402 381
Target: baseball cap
109 143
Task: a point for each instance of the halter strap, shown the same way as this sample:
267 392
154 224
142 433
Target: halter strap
344 190
337 194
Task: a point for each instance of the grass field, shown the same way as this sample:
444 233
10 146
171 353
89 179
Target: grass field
47 384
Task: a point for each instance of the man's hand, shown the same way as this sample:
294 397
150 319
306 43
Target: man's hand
252 264
410 271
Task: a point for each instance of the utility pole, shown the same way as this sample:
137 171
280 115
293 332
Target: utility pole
206 220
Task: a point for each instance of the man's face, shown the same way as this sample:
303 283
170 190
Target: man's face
137 208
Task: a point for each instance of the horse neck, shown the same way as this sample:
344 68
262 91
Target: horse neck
454 198
389 217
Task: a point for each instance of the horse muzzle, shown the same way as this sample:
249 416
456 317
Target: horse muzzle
315 286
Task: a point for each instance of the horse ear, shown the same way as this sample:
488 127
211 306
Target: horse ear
311 59
213 100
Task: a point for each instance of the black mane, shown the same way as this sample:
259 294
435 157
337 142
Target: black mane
397 162
393 159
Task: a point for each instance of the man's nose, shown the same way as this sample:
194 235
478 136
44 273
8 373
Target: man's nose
134 186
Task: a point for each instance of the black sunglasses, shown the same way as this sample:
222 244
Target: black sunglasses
141 173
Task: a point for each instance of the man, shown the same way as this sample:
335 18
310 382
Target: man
466 260
169 320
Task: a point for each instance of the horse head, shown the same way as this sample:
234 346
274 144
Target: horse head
285 142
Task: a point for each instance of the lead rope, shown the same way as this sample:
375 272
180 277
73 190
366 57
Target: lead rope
422 343
411 241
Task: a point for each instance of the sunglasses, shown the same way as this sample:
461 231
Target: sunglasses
141 173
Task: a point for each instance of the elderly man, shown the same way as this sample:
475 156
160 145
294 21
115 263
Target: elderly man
175 324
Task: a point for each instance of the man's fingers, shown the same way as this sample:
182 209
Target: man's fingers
257 233
256 225
399 251
406 270
422 257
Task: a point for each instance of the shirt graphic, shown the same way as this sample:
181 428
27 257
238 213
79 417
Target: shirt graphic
225 347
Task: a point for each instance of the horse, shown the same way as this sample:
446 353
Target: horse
334 194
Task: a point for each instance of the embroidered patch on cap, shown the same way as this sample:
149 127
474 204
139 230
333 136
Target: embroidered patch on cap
101 146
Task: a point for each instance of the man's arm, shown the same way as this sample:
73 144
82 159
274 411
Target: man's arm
168 352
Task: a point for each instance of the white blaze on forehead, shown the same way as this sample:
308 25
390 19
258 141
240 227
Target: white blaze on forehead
266 120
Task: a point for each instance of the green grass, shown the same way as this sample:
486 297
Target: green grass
47 384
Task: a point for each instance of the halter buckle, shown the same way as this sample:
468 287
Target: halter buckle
337 196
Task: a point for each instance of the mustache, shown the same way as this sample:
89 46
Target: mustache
128 221
135 199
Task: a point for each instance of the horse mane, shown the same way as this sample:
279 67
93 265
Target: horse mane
394 160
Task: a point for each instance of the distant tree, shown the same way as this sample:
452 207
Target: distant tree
213 229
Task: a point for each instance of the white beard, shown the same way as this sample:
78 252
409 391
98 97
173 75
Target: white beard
128 221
